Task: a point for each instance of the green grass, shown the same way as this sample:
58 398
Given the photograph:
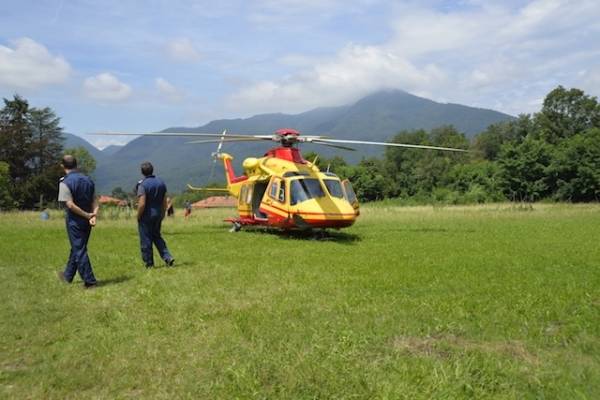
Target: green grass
482 302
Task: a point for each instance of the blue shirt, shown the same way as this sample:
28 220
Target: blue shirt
155 190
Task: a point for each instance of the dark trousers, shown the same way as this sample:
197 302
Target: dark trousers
149 230
79 234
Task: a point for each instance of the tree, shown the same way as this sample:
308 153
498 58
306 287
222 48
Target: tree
489 142
46 139
16 138
46 147
6 201
85 161
416 171
401 163
566 113
479 177
30 143
524 170
369 180
576 167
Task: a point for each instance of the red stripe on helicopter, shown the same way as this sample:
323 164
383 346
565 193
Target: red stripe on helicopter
310 213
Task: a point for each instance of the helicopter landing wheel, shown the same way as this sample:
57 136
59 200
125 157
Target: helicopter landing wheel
235 227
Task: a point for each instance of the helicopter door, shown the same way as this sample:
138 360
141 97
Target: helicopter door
349 193
245 200
257 194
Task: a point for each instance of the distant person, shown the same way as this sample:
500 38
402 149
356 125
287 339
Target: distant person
152 206
188 209
170 209
77 193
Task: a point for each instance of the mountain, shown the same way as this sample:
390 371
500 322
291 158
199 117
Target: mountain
112 149
72 141
376 117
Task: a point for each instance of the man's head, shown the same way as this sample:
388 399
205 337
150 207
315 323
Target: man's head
147 168
68 162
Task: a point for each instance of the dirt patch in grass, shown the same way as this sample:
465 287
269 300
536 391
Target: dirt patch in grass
445 346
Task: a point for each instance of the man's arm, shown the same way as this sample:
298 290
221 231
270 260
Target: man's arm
164 207
75 208
95 208
141 206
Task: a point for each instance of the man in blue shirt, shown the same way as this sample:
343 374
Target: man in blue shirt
152 206
77 193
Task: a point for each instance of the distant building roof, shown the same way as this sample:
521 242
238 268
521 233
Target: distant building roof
103 199
216 201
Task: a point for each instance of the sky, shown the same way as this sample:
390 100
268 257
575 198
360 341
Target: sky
136 66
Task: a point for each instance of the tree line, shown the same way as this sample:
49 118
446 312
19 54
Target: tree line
553 154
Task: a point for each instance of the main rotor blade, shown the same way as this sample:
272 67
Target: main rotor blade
415 146
227 140
182 134
337 146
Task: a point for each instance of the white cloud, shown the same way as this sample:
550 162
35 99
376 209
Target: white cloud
106 87
590 79
168 91
486 55
30 65
354 72
183 50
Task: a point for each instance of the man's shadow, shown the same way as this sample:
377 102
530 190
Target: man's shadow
114 281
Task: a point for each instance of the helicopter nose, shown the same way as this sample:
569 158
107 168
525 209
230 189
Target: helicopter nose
325 213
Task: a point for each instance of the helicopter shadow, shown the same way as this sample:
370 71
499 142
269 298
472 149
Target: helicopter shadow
316 236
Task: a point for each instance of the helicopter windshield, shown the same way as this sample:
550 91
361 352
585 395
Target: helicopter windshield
350 195
305 189
334 187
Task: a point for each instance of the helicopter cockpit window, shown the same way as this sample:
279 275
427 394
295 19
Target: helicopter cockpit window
305 189
273 191
350 195
334 187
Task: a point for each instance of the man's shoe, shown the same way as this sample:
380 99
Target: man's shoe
170 262
148 266
61 277
93 285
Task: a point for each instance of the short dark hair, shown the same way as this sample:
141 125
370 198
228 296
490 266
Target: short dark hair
147 168
69 162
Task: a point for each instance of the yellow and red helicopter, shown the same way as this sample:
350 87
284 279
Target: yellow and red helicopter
283 190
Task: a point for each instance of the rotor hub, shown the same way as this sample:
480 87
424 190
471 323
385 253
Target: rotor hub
287 136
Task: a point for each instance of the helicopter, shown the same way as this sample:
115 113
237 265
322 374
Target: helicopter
283 190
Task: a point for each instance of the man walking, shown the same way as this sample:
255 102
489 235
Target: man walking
152 205
76 192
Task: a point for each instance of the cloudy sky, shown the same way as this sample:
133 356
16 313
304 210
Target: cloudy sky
144 66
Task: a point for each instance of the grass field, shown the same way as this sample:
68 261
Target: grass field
482 302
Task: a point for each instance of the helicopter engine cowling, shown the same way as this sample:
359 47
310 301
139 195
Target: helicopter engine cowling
250 163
